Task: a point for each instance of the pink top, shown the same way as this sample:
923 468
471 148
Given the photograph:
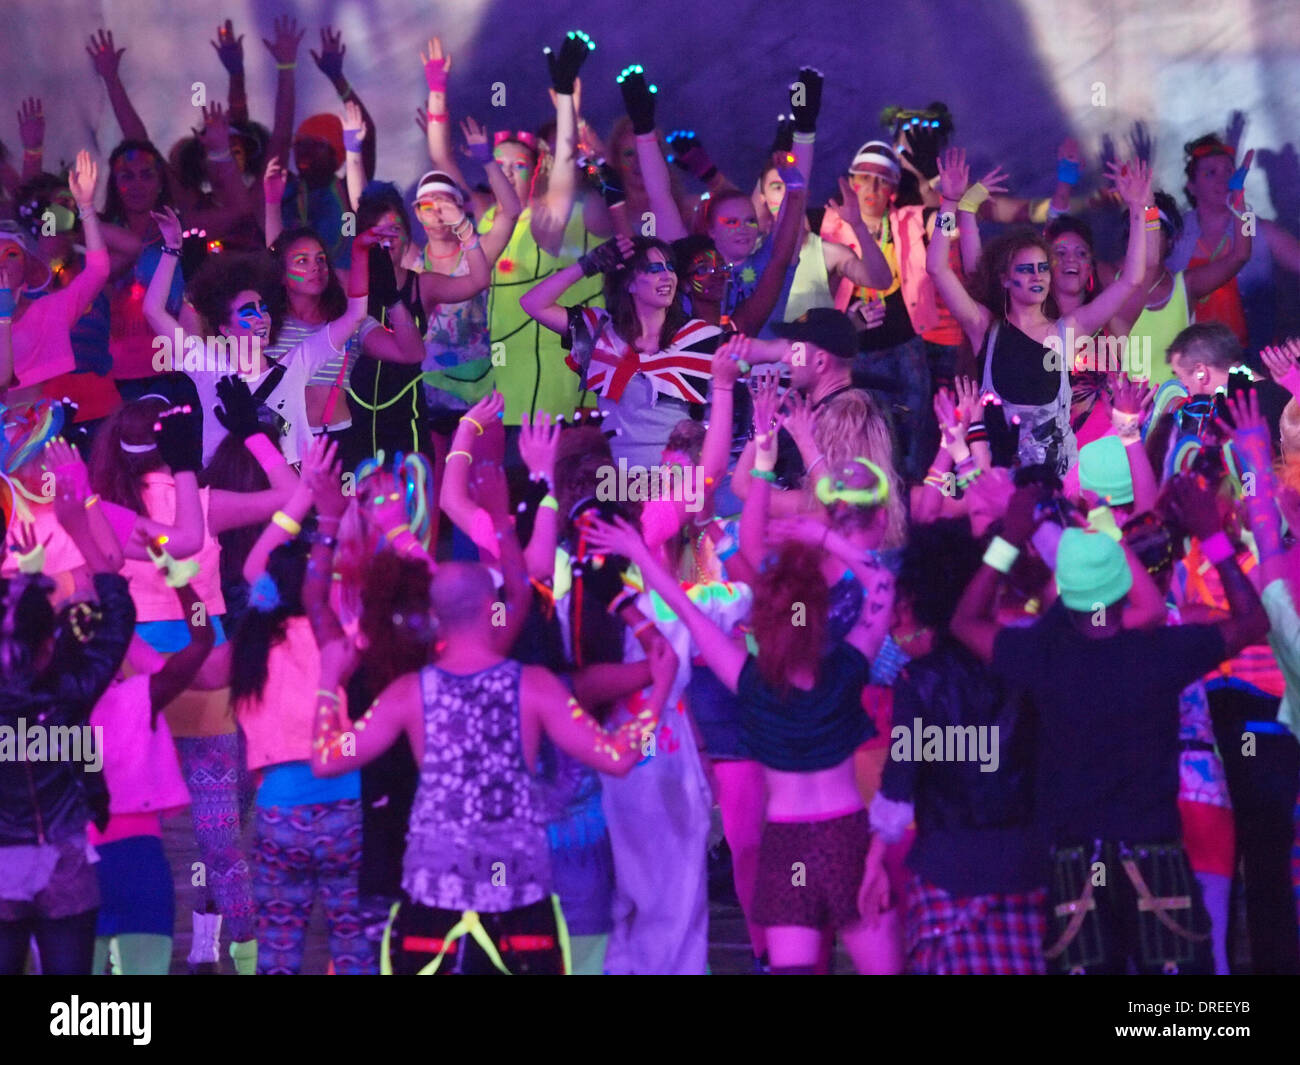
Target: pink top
907 224
140 767
279 726
42 341
124 826
154 600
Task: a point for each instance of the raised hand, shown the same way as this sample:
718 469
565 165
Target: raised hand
1281 365
1250 434
332 50
1236 127
539 444
954 174
31 123
1129 396
800 420
806 99
169 225
1132 181
477 145
618 537
995 181
179 433
215 134
284 46
320 465
783 141
920 150
564 67
102 55
70 473
229 49
274 180
1237 183
1194 506
767 401
437 65
1144 147
486 410
354 121
608 257
730 360
236 409
638 98
81 180
491 492
847 206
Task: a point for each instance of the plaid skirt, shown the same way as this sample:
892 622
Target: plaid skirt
973 935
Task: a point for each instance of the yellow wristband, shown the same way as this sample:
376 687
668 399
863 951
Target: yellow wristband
286 523
549 501
1001 555
453 454
973 197
474 422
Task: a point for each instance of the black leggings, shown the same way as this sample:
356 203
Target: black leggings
1263 788
67 944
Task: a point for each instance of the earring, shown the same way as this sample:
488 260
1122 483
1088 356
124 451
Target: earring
1092 281
1006 302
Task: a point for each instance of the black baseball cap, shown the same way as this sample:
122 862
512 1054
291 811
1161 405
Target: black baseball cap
825 327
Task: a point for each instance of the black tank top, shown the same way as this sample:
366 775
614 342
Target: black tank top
1024 371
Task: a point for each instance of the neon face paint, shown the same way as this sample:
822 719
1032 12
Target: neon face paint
1030 268
655 267
250 314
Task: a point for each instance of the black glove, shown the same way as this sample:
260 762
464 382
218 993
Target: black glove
638 98
784 139
565 66
924 145
179 433
236 409
383 281
806 99
680 142
602 259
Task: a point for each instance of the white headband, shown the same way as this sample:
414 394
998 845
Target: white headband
435 181
879 153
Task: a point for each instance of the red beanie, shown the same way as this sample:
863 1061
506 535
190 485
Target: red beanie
328 128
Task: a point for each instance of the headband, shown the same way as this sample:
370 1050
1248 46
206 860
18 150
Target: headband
879 153
436 181
834 490
1201 151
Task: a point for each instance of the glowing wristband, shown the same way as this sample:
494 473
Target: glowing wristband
550 502
286 523
1067 171
1152 216
453 454
352 140
1001 555
474 422
763 475
804 138
91 501
395 533
219 157
1218 549
973 198
287 66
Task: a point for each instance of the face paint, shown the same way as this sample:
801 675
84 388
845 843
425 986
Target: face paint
736 223
1029 268
250 314
656 267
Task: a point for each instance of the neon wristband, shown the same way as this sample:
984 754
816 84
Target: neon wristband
440 117
474 422
287 66
1001 555
763 475
268 456
973 198
219 157
551 502
1218 549
1067 171
352 140
804 138
453 454
286 523
395 533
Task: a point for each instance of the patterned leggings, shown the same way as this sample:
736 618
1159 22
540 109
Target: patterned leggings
302 852
218 783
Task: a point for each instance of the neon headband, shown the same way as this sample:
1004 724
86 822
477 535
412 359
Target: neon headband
1212 149
434 182
834 491
879 153
136 449
528 140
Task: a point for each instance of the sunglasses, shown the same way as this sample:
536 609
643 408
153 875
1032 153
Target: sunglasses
1031 268
658 268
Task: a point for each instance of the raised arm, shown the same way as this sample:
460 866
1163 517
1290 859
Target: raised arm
284 50
354 137
494 241
539 445
639 98
542 301
230 50
182 667
437 127
871 268
491 493
1133 182
317 464
106 61
971 315
551 215
31 132
330 63
455 500
752 315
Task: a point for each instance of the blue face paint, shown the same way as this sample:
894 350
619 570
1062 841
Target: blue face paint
251 313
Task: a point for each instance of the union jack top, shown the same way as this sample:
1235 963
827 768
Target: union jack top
607 362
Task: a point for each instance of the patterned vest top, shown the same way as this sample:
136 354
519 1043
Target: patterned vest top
477 838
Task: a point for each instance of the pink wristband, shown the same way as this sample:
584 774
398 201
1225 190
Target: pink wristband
1218 549
267 454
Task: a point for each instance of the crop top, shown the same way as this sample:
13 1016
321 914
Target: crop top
804 731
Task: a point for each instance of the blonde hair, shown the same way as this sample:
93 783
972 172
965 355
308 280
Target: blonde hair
850 426
1289 424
